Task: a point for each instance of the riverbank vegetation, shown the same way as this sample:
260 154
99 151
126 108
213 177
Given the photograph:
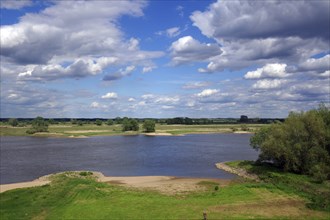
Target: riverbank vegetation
301 144
279 195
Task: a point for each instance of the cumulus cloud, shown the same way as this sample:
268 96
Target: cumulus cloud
260 32
119 74
319 65
263 19
110 95
268 84
78 69
188 49
207 92
273 70
65 34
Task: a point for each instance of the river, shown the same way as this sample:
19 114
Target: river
27 158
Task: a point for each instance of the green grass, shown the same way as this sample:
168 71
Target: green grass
81 197
318 194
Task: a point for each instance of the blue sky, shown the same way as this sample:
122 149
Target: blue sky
163 58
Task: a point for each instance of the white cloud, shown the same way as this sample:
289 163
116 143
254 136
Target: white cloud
66 35
207 92
110 95
147 69
187 49
170 32
180 8
131 100
173 32
261 32
320 64
263 19
147 96
167 100
15 4
119 74
195 85
273 70
268 84
95 105
167 107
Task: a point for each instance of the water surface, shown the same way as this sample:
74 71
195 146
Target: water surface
27 158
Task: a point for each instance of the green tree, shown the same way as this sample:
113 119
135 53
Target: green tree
98 122
300 144
38 125
13 122
149 126
129 124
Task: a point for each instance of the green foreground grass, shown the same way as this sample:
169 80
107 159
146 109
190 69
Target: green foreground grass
69 130
82 197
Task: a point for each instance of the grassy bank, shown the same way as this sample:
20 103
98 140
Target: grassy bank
69 130
317 194
82 197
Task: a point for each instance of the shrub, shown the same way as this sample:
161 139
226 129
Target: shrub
98 122
149 126
109 122
38 125
129 124
13 122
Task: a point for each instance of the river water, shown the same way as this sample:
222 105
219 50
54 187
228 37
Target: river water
27 158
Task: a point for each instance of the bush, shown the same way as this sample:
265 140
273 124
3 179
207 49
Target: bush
13 122
129 124
38 125
109 122
149 126
85 173
244 128
98 122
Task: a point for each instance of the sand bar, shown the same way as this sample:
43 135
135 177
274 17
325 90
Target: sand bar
164 184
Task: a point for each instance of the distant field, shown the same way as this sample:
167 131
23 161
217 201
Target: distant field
69 130
279 196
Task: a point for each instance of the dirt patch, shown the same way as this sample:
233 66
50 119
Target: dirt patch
238 171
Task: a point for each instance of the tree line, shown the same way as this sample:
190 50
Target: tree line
118 120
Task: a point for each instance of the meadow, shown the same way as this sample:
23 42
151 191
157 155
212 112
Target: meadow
278 195
69 130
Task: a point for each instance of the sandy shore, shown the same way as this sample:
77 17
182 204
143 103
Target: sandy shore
164 184
237 171
6 187
158 134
